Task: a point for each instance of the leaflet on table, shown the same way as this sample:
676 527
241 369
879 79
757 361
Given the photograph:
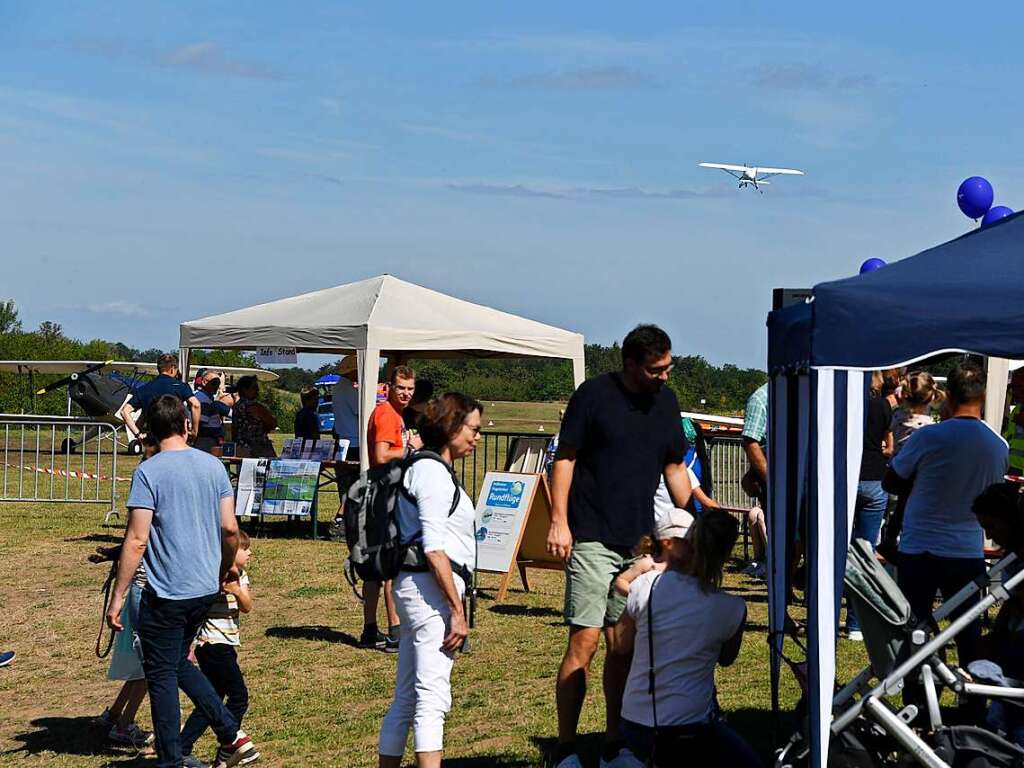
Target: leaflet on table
290 487
251 478
312 450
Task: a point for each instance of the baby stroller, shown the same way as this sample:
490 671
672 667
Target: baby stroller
867 732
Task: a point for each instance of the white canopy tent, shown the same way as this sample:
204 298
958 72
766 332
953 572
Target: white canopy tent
381 316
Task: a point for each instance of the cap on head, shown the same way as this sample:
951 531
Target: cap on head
674 524
348 365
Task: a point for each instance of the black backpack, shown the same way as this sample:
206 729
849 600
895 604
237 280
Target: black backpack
375 551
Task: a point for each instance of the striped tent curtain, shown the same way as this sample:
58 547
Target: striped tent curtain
816 436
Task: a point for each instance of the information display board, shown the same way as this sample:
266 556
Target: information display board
513 515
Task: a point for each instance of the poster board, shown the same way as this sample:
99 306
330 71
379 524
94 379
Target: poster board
513 515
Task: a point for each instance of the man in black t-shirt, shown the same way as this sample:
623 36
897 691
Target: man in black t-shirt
621 433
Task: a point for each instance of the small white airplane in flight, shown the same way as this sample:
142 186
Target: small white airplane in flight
752 176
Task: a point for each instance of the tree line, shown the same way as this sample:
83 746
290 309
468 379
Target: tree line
698 384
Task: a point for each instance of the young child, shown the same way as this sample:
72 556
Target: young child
652 552
126 665
307 426
217 653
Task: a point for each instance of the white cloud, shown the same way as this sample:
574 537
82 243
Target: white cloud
330 105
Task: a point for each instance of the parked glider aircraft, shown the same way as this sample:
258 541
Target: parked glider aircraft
100 388
751 175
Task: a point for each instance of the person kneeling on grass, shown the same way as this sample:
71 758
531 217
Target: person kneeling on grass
217 653
678 626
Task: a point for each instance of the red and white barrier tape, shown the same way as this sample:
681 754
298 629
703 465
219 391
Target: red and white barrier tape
67 473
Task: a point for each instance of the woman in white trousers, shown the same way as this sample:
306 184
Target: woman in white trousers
437 523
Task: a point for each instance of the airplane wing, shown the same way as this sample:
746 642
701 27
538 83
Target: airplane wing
233 371
779 172
736 171
49 366
76 366
724 166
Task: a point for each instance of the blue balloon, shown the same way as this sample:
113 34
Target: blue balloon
975 197
995 214
871 265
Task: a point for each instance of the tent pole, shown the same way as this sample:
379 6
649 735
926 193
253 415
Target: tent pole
996 369
579 370
368 361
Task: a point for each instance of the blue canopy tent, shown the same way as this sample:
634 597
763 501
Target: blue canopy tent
966 295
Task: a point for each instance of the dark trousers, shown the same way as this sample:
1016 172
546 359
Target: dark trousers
220 665
713 743
921 576
166 630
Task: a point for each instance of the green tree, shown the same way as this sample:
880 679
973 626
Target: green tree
9 320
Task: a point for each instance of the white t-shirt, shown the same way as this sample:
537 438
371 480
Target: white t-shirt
430 484
951 463
663 501
690 627
345 404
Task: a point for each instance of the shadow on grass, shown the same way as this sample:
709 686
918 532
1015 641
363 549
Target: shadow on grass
292 528
486 761
64 736
588 747
317 632
506 609
103 538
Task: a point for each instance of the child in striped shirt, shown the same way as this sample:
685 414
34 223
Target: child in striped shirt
217 653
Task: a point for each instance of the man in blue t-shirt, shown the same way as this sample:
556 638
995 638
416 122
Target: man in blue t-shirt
166 383
941 469
181 521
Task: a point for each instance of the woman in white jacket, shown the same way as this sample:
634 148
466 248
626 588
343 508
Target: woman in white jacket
436 520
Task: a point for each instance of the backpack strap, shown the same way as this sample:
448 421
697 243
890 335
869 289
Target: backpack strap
425 454
650 650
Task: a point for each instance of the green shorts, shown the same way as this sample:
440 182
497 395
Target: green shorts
590 596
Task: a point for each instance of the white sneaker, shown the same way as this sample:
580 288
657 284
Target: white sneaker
625 759
856 636
572 761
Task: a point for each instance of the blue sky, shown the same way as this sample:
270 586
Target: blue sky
165 161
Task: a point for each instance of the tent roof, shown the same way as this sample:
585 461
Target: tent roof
964 295
384 313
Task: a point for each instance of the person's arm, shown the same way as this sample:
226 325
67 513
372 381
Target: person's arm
677 480
623 636
228 535
639 568
196 409
385 452
240 589
704 500
136 538
129 421
441 567
888 445
731 647
895 484
559 541
264 415
758 461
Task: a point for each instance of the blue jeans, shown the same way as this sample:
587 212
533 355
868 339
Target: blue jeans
713 743
220 665
868 513
166 630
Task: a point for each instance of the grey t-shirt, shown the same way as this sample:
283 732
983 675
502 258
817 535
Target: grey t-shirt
184 489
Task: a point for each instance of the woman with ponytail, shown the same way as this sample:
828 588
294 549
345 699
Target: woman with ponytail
678 626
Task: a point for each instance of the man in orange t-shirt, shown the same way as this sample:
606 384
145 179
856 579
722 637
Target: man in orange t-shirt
387 439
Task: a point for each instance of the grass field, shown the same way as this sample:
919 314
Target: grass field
316 699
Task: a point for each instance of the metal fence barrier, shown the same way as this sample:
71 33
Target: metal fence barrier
58 459
728 464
